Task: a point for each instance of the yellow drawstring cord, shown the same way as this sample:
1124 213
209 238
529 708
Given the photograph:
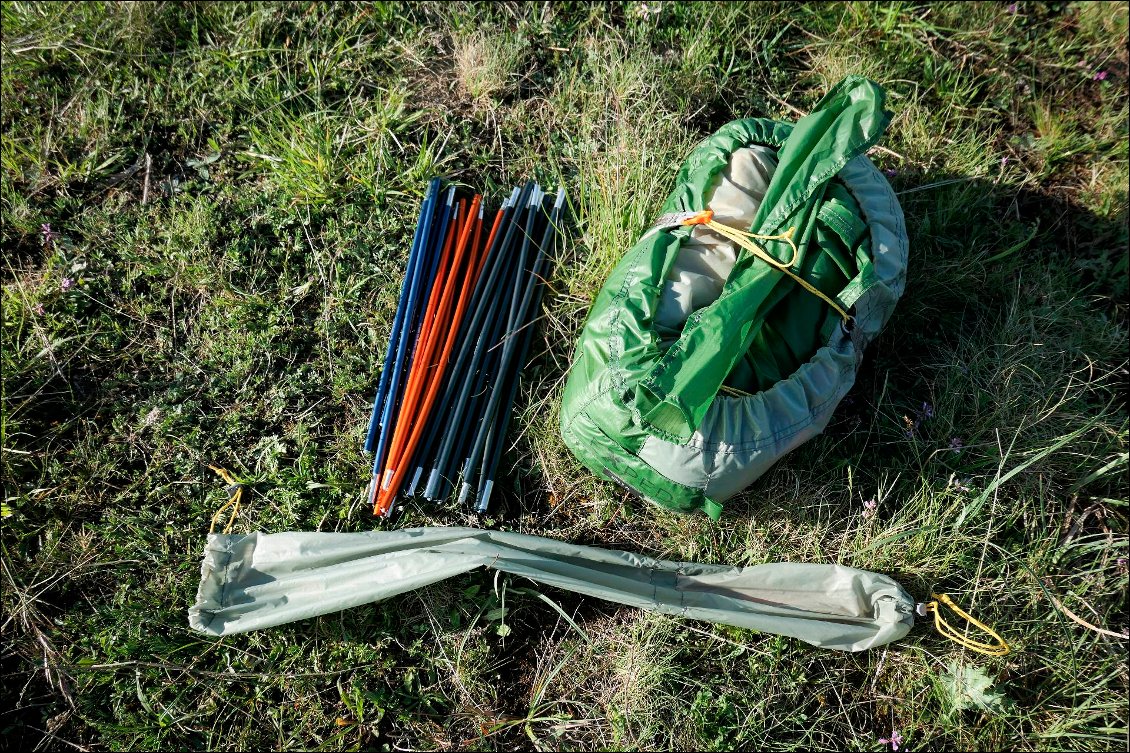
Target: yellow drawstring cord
744 239
999 649
233 500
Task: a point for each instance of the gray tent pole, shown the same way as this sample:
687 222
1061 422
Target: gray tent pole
437 422
485 379
501 422
486 304
519 315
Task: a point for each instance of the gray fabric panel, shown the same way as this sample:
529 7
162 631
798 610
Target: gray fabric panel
741 438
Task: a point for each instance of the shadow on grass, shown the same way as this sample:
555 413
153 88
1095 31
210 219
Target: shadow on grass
988 262
1010 334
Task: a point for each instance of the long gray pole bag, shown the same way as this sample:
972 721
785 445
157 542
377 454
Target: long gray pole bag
254 581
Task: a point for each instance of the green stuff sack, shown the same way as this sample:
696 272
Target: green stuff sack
702 363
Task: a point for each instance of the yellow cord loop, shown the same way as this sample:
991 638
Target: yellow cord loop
236 490
746 241
1000 648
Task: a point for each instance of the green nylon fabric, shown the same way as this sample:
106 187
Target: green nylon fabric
631 384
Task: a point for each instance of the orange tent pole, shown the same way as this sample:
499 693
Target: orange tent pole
438 306
445 267
391 485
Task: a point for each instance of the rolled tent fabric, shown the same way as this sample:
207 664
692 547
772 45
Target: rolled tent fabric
255 581
701 364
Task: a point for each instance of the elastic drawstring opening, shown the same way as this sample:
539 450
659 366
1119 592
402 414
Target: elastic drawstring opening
1000 648
235 489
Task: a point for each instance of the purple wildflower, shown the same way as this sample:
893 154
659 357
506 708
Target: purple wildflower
869 508
1011 9
48 236
68 283
927 410
1101 76
39 310
894 741
956 444
890 172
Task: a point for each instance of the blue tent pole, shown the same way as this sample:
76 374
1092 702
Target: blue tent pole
407 335
431 262
422 227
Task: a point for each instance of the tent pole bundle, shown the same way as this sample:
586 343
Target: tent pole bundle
822 242
462 331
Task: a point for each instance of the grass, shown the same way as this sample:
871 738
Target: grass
230 188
